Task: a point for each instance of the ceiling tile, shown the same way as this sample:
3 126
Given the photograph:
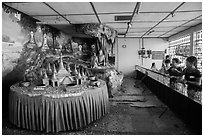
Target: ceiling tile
183 16
83 19
149 16
104 7
170 24
117 25
133 35
142 25
33 8
188 6
158 6
51 18
193 23
165 29
72 7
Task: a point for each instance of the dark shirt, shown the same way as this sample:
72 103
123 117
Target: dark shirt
173 72
192 75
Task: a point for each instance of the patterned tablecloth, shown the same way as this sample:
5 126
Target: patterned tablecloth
44 111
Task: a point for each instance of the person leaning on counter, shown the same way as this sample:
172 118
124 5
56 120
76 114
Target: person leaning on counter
175 72
192 76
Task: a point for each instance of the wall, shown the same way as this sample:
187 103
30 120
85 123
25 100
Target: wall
128 57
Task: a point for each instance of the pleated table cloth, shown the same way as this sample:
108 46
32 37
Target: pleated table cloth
44 113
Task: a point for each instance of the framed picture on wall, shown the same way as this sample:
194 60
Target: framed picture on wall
158 55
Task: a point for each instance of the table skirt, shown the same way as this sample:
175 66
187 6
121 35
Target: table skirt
57 114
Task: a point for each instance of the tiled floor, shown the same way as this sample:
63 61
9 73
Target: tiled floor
141 118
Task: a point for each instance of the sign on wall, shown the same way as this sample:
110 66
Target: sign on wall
158 55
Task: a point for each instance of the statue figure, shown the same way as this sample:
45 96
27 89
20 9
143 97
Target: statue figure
74 46
94 61
39 37
31 44
80 48
32 37
45 46
101 58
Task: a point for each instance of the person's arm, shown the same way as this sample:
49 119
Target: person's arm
177 72
197 81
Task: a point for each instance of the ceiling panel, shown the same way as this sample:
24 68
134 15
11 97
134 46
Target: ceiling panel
149 16
51 19
133 35
117 25
184 16
82 19
170 24
166 28
191 6
170 33
176 30
136 32
155 34
72 7
33 8
139 29
158 6
166 35
142 25
104 7
192 23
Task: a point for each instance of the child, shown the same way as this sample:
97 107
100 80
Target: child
192 76
175 72
153 67
165 67
166 58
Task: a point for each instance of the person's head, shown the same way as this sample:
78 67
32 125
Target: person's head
167 62
191 62
175 62
167 57
153 65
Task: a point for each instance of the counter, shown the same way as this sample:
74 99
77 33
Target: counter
188 109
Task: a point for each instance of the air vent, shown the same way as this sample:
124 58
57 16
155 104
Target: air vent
122 18
121 33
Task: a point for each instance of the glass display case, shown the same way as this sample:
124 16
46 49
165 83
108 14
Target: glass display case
165 80
197 48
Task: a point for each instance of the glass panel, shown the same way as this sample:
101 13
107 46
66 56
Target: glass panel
197 48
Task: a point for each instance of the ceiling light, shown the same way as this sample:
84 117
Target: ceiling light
172 14
129 24
150 32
